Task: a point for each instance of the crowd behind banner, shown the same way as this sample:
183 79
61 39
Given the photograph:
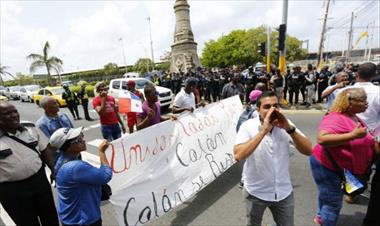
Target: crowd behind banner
309 82
348 131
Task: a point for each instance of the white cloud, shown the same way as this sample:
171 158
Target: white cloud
85 34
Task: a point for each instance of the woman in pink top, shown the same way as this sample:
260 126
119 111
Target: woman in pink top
345 137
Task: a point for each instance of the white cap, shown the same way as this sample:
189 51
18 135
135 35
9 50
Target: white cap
62 135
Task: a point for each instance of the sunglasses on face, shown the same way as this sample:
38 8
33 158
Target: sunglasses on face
268 106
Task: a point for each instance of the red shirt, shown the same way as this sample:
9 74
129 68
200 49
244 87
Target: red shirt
110 117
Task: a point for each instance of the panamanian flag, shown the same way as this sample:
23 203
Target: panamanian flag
129 102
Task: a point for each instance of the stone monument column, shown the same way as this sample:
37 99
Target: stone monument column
184 55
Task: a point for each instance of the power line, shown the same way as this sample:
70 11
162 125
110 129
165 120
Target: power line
358 11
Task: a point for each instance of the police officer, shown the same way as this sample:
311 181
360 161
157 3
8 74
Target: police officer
72 101
323 80
294 84
83 96
310 87
25 192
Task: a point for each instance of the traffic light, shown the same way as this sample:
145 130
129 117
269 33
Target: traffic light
262 48
281 37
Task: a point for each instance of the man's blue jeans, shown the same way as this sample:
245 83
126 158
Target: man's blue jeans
111 132
330 193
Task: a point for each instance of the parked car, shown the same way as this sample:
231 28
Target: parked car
3 98
54 91
27 92
165 95
2 90
12 92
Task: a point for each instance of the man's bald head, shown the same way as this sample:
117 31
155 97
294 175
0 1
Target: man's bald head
50 105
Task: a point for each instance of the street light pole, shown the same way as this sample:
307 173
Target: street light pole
122 48
269 30
151 42
282 60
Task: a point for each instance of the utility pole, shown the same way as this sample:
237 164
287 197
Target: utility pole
282 60
268 49
122 48
366 43
151 42
320 49
370 48
350 34
307 44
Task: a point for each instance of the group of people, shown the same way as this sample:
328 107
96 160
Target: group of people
346 141
25 150
74 99
309 82
264 135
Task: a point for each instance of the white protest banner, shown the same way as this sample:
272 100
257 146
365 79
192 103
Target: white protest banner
160 167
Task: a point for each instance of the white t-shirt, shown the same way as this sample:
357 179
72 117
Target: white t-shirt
331 97
184 100
372 115
266 170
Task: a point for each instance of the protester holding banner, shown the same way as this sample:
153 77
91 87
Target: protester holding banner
151 114
185 99
342 137
264 143
78 182
131 116
109 117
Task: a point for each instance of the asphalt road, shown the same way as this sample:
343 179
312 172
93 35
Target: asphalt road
220 203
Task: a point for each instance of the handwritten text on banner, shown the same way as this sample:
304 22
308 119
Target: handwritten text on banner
160 167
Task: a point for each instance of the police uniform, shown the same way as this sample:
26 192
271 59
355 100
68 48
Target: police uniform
25 192
83 96
71 100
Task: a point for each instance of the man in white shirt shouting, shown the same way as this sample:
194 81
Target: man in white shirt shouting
264 142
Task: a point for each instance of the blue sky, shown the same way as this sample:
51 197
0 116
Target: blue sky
85 34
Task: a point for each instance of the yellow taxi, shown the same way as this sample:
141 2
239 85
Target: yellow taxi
3 98
53 91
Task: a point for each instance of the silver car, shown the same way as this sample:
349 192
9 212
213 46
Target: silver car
165 95
27 92
12 92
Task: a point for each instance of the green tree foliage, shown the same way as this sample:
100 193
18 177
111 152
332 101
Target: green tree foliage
240 47
164 66
24 79
44 60
143 65
3 73
110 69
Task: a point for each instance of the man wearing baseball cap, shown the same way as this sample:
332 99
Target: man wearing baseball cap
78 182
250 110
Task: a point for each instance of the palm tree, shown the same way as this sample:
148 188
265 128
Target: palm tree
45 61
3 72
